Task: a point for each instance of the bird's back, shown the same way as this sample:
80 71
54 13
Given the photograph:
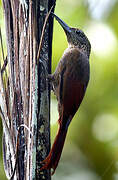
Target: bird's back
72 75
76 65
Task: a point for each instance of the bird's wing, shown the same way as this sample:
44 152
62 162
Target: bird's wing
71 92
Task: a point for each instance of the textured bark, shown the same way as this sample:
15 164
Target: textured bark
25 98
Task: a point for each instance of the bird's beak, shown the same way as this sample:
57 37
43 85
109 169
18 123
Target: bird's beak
62 23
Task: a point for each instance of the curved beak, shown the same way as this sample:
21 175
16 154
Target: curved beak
62 23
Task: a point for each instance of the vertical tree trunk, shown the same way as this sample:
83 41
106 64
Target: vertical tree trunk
25 98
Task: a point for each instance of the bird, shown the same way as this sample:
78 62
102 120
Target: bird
69 83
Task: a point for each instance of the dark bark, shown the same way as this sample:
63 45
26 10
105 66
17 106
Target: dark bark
25 110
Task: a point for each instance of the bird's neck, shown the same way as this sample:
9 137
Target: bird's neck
80 48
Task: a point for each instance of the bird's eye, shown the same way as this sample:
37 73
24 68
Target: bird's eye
78 32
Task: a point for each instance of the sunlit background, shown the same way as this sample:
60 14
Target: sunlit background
91 148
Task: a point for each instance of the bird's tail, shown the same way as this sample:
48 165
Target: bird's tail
53 158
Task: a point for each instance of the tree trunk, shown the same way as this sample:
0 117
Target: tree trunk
25 95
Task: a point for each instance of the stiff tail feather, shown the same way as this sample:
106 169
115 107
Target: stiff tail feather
53 158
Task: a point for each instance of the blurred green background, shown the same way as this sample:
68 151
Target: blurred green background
91 148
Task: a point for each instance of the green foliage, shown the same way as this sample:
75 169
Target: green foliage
112 18
100 101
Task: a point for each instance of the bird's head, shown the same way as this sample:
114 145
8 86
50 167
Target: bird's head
75 37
